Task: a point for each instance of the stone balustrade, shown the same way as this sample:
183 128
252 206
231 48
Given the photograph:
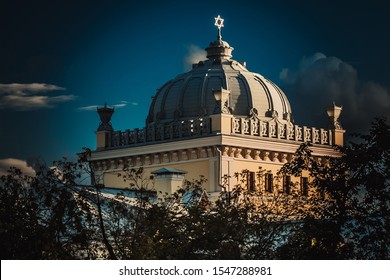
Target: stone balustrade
160 132
193 128
278 130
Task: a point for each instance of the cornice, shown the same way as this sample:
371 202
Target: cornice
272 145
156 147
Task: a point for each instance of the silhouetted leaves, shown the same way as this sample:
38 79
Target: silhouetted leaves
62 213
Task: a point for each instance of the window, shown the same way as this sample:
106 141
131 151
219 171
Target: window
287 184
251 181
304 186
269 182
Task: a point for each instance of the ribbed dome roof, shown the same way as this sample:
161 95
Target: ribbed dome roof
190 95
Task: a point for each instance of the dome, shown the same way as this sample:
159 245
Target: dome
191 94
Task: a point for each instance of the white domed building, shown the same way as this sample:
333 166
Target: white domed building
215 120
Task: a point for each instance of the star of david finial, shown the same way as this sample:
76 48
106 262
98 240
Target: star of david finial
219 23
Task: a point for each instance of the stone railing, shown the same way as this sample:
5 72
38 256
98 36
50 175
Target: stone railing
160 132
277 130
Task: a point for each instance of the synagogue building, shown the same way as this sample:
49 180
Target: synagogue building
215 120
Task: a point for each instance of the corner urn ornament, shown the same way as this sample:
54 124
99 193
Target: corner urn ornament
334 113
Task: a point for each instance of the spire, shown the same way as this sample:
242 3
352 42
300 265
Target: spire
219 49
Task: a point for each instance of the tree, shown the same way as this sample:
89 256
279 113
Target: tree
369 166
39 218
353 219
53 215
58 215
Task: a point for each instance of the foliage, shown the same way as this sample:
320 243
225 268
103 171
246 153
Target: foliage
354 221
58 215
39 216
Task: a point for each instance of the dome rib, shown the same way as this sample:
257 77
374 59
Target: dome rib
268 95
179 106
249 93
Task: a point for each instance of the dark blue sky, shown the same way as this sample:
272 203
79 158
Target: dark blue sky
58 58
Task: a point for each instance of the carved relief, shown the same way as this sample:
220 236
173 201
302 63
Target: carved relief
232 151
266 156
236 125
275 156
324 136
298 133
264 130
245 126
257 154
248 153
254 127
316 135
193 154
272 130
175 156
225 151
147 160
307 136
282 131
237 153
156 159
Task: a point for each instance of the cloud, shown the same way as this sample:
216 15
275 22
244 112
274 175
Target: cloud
94 107
26 97
320 80
121 105
194 55
88 108
5 164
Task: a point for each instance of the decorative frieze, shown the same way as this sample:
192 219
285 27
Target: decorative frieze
275 156
248 153
177 156
266 155
194 154
165 158
225 151
256 154
210 152
232 151
148 160
184 155
283 157
237 153
154 159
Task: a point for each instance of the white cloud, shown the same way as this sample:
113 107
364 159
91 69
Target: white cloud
120 105
5 164
320 80
194 55
116 106
132 103
88 108
26 97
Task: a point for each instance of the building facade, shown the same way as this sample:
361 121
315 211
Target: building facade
215 120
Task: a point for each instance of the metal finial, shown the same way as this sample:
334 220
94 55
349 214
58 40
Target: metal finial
219 23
